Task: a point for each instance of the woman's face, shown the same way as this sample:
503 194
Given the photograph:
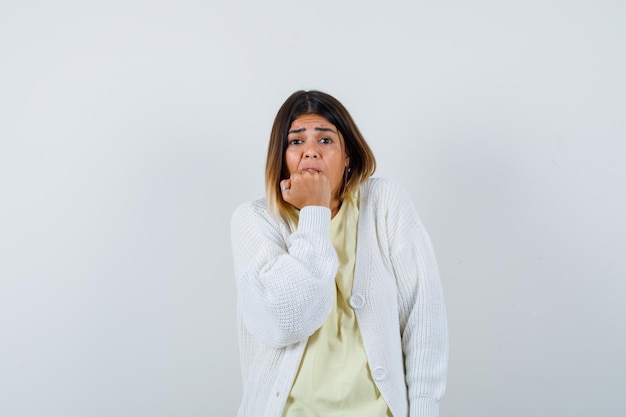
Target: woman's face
314 143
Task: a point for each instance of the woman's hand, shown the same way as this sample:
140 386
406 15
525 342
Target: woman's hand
306 188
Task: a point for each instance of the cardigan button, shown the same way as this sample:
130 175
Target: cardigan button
379 373
357 301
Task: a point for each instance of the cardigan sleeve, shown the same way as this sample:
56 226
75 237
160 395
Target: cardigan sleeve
285 282
422 314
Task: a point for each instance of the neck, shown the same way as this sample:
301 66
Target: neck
335 205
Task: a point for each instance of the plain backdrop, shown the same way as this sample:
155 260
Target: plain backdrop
130 130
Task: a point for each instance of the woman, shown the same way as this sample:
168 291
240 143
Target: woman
340 308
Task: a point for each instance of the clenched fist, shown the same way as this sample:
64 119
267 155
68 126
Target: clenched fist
306 188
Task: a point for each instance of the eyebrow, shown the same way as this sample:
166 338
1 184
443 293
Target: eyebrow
318 129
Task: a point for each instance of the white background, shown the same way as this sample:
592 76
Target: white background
130 130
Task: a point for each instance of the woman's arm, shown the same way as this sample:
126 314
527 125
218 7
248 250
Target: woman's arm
285 285
421 307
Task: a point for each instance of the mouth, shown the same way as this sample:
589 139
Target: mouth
307 167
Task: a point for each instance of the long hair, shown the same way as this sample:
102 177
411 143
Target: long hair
362 161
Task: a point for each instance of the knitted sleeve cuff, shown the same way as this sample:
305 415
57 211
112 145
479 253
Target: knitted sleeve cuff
314 219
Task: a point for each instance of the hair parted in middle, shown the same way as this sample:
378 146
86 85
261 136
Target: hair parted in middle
362 161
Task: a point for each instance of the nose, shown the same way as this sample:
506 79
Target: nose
311 151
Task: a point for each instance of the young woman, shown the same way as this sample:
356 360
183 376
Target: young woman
340 307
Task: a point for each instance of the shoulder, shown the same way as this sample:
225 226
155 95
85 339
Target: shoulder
383 190
255 214
387 202
251 208
250 214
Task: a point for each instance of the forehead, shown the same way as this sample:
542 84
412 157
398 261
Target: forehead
311 121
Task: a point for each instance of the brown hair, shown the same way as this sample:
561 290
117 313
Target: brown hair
362 161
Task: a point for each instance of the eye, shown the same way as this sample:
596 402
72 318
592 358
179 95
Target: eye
326 140
295 141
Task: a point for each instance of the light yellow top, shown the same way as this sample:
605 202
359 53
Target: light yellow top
334 378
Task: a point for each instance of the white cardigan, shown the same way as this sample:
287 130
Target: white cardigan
286 287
